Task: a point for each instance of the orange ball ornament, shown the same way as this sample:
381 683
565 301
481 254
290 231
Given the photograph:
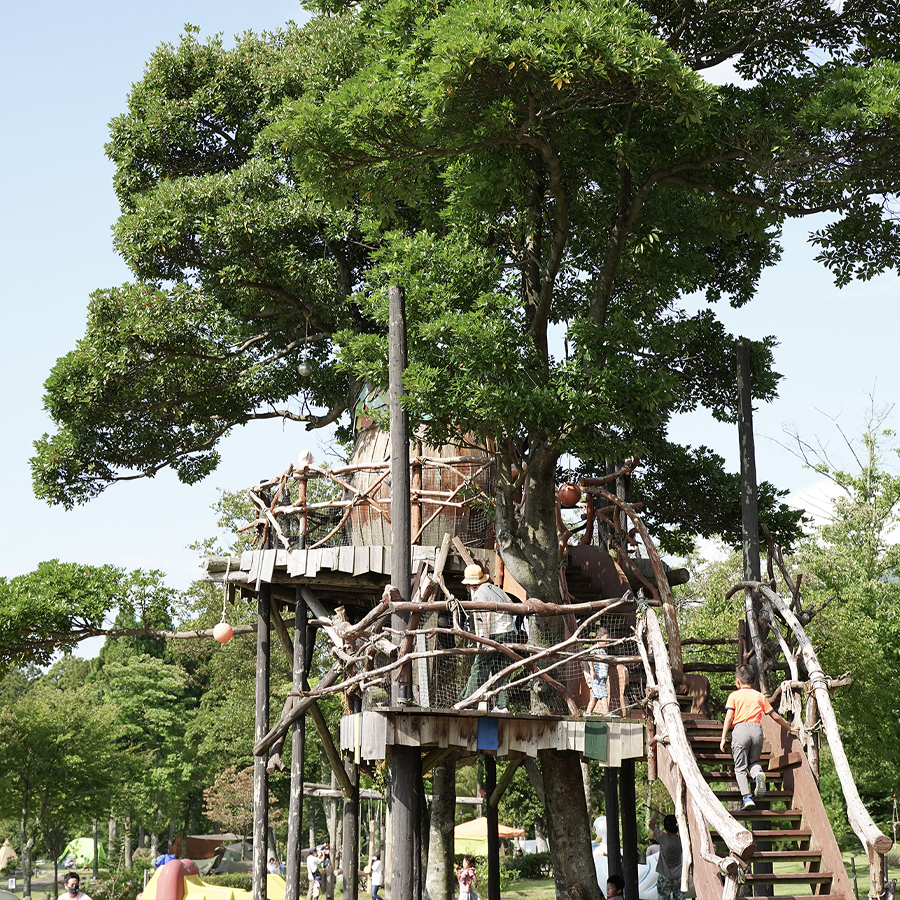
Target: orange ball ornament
223 632
568 494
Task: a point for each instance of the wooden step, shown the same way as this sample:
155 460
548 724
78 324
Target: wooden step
774 834
770 815
770 795
789 878
787 855
728 775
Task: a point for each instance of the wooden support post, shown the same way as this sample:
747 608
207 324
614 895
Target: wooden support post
405 762
405 815
350 844
493 828
293 857
260 776
301 502
401 533
628 794
611 805
750 541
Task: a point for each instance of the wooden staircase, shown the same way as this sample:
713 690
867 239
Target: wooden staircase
790 822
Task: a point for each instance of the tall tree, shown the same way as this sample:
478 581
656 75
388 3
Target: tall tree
519 167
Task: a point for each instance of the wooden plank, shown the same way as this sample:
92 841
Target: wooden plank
374 735
503 729
360 560
246 560
345 560
327 557
267 565
281 558
376 559
615 748
407 731
255 562
313 561
297 563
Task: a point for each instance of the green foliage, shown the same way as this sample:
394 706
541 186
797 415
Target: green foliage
529 865
242 881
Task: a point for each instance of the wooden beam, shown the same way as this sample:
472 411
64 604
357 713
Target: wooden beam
334 758
508 775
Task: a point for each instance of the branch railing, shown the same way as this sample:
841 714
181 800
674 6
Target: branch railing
819 711
277 505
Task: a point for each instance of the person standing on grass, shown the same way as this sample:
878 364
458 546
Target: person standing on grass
73 888
668 864
467 879
744 711
376 876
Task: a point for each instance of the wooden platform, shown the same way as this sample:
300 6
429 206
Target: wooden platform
367 735
342 574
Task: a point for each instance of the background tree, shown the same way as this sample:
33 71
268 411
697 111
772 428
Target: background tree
48 765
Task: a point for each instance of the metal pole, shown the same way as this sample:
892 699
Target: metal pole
493 828
611 804
628 793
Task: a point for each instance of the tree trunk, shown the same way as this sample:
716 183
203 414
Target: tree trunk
170 842
126 849
142 837
112 837
25 844
94 835
439 880
570 844
154 837
540 837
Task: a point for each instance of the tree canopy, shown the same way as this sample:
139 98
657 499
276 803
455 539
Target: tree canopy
528 171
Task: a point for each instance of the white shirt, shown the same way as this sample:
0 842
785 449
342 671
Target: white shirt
377 872
489 622
312 864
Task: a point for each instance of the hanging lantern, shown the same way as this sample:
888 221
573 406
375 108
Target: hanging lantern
304 368
223 632
568 494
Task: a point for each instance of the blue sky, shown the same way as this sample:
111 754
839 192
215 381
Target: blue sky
66 71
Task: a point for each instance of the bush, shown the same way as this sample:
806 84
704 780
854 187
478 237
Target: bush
240 880
530 865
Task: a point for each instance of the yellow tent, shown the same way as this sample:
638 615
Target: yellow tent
471 837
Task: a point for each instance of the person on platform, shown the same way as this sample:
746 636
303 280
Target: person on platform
596 673
668 866
73 888
498 626
744 711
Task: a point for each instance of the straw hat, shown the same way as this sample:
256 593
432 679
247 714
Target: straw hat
474 575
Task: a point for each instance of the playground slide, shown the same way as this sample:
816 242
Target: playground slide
179 879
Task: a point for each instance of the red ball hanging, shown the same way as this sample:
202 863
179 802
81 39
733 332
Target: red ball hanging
223 632
568 494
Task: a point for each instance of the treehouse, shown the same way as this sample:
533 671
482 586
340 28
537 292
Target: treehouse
404 648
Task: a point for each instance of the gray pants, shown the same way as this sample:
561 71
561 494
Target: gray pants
746 745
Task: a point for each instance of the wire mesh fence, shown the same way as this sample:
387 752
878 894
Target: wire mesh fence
554 671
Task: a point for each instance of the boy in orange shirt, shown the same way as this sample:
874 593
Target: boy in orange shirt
744 710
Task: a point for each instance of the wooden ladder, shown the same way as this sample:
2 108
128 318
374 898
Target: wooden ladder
791 819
